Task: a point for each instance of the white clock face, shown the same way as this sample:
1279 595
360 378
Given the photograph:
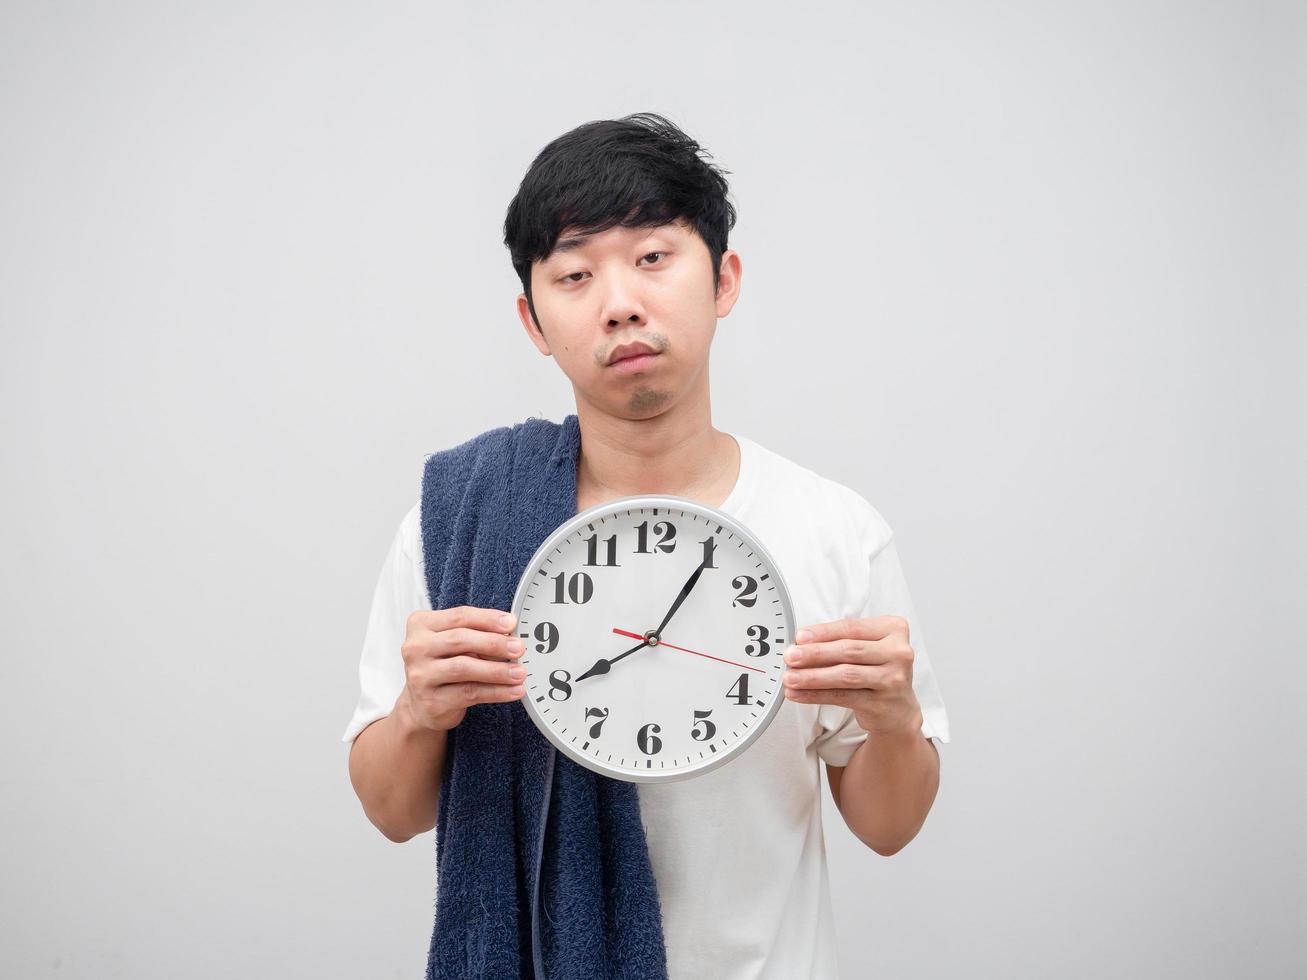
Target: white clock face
694 695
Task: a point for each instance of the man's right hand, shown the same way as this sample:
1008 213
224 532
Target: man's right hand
455 658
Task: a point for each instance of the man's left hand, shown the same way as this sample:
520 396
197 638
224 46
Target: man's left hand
863 664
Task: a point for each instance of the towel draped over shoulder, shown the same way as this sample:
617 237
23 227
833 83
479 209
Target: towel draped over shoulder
542 866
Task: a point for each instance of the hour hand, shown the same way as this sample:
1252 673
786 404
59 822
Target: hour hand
602 666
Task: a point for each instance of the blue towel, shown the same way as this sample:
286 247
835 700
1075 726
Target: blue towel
543 870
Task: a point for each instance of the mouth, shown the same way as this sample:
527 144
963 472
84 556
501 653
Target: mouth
630 349
633 364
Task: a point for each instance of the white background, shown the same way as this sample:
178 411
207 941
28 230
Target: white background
1028 276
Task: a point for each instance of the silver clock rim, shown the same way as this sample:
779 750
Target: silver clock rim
561 533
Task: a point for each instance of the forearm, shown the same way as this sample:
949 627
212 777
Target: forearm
887 789
396 767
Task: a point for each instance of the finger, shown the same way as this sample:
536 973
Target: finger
893 648
465 669
472 617
460 641
471 693
428 630
844 650
476 643
857 628
857 676
843 696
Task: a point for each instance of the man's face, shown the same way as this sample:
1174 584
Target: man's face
625 286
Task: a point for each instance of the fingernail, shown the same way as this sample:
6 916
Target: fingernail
517 673
515 645
804 636
506 620
793 656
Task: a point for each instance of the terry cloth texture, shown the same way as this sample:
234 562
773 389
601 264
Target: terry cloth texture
521 895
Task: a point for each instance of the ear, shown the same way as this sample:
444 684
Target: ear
728 282
532 328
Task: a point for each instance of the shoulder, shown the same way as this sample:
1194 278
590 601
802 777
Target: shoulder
448 473
533 435
835 509
410 530
865 521
472 446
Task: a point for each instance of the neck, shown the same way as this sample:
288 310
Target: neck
677 452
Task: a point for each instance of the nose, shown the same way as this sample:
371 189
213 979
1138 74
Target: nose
621 302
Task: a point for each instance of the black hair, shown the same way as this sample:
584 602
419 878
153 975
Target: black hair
639 171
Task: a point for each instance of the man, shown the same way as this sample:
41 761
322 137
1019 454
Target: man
619 236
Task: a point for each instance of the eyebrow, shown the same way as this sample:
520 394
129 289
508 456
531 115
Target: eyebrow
576 241
571 244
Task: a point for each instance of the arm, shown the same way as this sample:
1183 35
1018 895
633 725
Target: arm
396 767
886 790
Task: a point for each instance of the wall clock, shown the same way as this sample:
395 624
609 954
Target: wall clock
655 631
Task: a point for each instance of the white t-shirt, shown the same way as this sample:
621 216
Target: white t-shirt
738 853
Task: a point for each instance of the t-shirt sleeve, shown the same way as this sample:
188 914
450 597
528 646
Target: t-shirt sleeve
401 588
887 595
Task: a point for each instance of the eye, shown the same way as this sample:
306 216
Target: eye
569 277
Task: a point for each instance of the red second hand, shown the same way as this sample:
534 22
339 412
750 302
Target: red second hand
664 643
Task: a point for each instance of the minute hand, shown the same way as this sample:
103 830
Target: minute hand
685 591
